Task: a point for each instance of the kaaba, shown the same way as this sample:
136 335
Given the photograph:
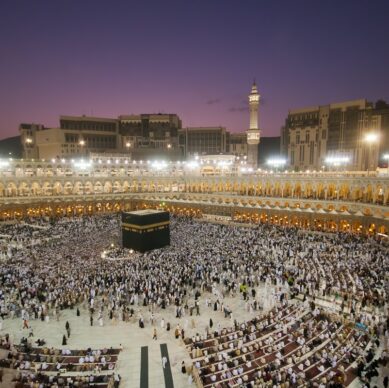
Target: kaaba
144 230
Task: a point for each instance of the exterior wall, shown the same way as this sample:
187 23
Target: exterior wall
203 140
140 136
149 132
323 216
324 113
382 110
49 143
303 150
237 144
81 135
334 130
357 196
28 140
60 143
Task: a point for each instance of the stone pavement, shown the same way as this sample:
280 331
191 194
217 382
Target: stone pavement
132 338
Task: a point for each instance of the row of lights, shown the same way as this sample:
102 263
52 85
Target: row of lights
337 160
280 219
274 162
83 143
159 165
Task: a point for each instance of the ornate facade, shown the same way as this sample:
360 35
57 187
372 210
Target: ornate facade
311 136
351 201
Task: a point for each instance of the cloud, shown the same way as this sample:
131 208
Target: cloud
239 109
244 106
213 101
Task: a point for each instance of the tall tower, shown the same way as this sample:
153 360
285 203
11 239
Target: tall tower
253 133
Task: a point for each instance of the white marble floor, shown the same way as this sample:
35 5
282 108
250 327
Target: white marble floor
132 338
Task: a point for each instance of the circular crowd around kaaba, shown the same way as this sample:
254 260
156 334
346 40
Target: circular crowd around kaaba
327 323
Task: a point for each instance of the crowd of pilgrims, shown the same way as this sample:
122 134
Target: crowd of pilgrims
38 280
43 367
49 265
287 347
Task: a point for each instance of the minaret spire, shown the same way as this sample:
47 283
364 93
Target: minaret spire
253 133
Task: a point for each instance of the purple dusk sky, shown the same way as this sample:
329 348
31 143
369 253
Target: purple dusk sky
194 58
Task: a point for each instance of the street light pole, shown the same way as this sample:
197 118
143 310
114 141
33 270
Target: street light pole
82 144
128 145
368 159
370 139
386 157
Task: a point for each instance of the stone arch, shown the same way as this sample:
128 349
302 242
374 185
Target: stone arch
57 188
134 186
320 191
368 193
277 190
242 188
11 189
24 189
35 188
49 170
308 190
331 191
29 170
344 192
68 171
259 189
59 170
379 194
356 193
68 188
126 186
229 187
39 170
268 189
47 188
287 190
107 187
117 187
343 208
98 187
78 187
297 191
386 196
88 187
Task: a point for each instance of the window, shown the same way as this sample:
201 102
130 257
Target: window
323 134
311 152
307 137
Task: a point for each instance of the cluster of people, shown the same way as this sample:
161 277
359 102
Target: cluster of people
205 261
45 367
287 347
40 380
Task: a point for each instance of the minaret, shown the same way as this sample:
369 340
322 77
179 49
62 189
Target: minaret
253 133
